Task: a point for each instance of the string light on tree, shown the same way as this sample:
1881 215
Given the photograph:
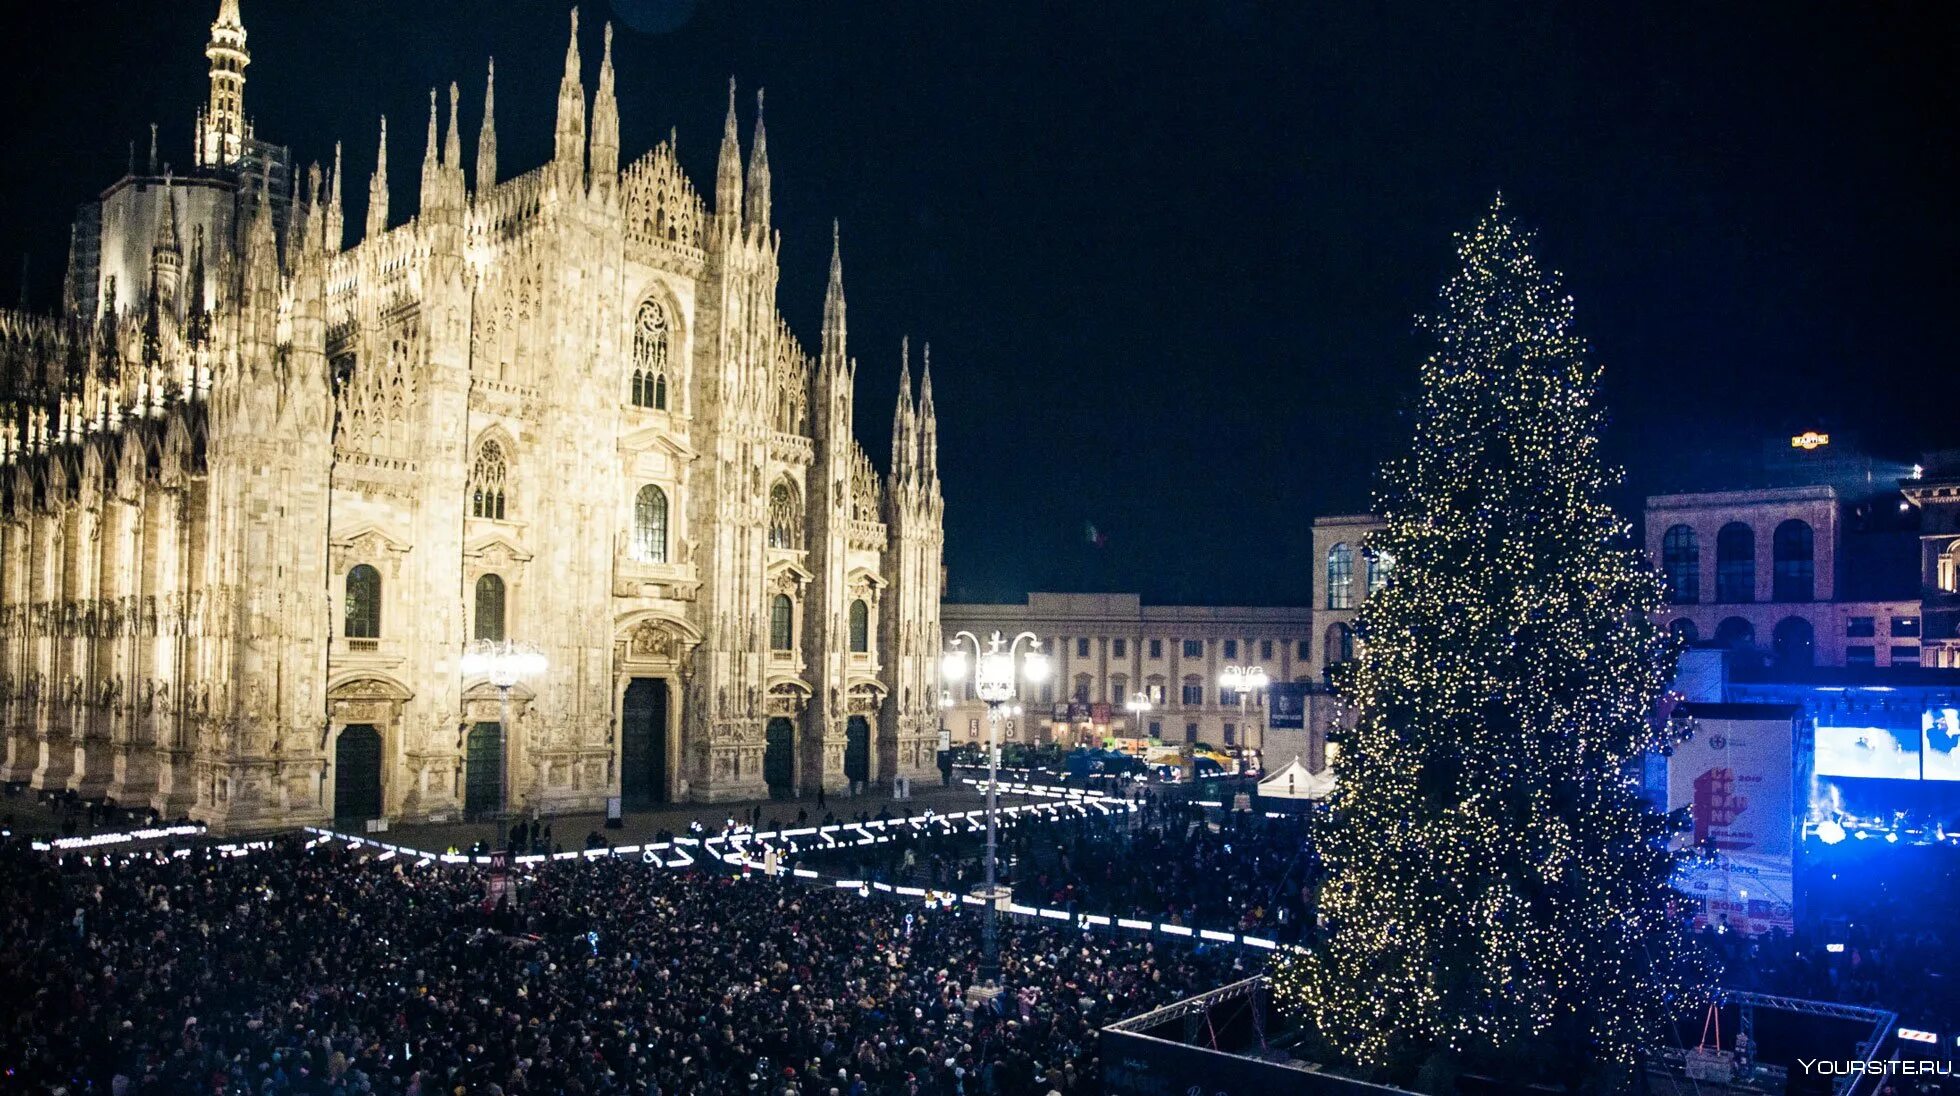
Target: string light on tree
1498 897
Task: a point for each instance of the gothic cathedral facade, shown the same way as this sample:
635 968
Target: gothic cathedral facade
261 492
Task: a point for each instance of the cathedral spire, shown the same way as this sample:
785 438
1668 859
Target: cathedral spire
197 327
904 444
377 210
758 181
928 423
833 304
728 170
569 139
431 165
486 137
167 252
222 139
335 234
452 145
605 126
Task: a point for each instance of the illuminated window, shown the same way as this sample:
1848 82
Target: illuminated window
1340 577
363 608
650 525
785 516
1681 564
489 623
1379 565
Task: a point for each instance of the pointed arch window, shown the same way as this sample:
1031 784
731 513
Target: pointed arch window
860 627
489 622
782 617
785 516
487 481
650 348
650 525
363 603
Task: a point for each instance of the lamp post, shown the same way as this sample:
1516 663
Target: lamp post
1243 680
503 663
995 678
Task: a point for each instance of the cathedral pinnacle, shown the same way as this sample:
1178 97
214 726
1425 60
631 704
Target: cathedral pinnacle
605 125
728 168
928 423
758 180
569 140
833 298
452 146
333 223
904 444
431 164
377 210
486 137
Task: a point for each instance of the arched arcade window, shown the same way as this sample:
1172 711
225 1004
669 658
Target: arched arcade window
1795 577
1340 577
1795 643
1681 564
1735 563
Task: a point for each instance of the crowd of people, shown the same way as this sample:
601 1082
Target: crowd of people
319 970
1878 927
1169 861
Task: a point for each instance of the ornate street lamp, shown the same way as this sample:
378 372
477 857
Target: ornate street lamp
995 681
503 663
1244 680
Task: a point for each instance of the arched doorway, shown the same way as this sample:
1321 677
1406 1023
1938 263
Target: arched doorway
1736 634
483 765
643 744
1795 643
857 749
779 759
357 774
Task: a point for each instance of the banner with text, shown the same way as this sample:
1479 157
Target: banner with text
1286 701
1736 778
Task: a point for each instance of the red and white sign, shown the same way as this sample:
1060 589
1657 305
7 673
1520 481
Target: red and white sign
1737 779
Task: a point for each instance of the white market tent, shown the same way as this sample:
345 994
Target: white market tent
1295 782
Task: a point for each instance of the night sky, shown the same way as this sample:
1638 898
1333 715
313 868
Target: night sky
1168 255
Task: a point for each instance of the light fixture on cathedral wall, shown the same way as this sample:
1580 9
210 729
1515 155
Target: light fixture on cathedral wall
503 663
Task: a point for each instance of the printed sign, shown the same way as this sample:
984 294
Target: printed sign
1736 778
1287 703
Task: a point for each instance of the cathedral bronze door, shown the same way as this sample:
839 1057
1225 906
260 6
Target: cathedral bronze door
357 774
484 768
643 744
857 749
779 759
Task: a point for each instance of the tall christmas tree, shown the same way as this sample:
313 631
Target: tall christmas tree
1498 895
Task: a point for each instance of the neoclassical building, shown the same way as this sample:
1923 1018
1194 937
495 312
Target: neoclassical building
260 490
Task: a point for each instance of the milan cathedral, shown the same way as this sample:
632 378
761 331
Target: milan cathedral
261 490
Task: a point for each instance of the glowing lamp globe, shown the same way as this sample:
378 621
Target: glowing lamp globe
1829 832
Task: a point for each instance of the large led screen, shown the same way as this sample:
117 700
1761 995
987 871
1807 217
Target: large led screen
1882 753
1942 744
